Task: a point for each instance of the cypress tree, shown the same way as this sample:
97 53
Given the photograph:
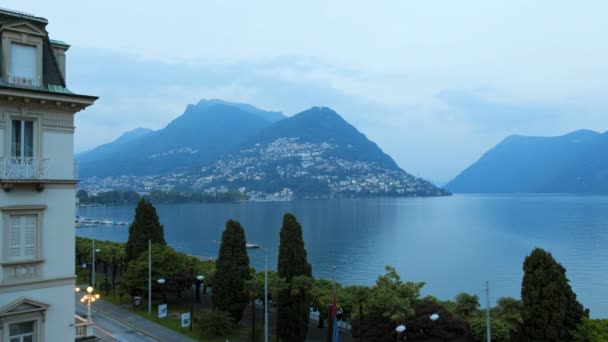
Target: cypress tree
293 301
550 308
145 226
232 271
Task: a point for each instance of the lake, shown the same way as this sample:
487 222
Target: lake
454 244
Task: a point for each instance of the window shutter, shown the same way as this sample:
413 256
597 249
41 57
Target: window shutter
15 238
29 237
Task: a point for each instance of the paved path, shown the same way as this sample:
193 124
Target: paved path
115 323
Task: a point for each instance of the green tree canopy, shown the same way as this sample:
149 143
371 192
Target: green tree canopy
467 305
232 271
145 226
294 298
508 310
550 309
392 298
591 330
167 263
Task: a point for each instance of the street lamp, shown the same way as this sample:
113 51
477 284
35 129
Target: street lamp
192 294
161 282
199 281
93 268
402 327
89 297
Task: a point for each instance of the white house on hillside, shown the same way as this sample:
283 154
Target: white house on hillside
37 183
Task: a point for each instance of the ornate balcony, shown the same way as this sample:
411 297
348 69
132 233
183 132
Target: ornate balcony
85 330
24 169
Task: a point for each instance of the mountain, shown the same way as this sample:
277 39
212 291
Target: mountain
323 125
315 153
201 134
573 163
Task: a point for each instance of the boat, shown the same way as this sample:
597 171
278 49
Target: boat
251 246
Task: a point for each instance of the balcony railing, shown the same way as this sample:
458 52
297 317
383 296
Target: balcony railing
84 329
24 168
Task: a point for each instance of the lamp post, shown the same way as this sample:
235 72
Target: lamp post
266 250
192 294
161 282
93 268
199 281
402 327
89 297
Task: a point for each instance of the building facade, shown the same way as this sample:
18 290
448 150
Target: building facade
37 183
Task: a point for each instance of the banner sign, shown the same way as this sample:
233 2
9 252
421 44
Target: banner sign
162 311
185 319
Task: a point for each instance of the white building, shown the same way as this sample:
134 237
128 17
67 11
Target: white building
37 183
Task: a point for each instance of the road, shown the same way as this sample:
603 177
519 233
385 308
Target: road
110 330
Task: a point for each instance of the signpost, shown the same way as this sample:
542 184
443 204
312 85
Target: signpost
185 319
162 311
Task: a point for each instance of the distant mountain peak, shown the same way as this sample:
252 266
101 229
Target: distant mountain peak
270 116
576 162
133 134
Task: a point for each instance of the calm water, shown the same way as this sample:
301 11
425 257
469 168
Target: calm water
453 244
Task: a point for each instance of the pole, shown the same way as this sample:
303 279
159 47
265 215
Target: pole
488 328
93 269
191 297
331 311
149 277
265 298
89 311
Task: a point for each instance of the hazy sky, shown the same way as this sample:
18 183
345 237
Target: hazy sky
434 83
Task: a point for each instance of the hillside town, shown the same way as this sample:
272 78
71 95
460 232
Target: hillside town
280 170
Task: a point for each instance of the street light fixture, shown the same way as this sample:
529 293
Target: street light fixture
89 297
402 327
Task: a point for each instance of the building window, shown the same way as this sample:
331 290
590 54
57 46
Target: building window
22 141
22 237
21 332
23 65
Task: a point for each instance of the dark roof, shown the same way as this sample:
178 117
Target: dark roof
52 80
22 15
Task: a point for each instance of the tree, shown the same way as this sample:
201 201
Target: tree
232 271
294 297
83 196
509 310
145 226
392 298
591 330
358 296
390 303
550 309
467 305
216 323
167 263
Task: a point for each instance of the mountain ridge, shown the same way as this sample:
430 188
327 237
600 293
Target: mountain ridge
536 164
219 146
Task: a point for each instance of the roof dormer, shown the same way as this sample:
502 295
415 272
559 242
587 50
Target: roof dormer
22 58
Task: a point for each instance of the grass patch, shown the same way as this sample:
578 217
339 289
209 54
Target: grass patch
173 323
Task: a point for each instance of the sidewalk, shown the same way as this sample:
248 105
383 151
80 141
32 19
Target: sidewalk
149 328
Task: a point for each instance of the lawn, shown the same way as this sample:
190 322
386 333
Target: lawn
240 333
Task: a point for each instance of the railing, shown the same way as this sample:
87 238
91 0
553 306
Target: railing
26 168
83 327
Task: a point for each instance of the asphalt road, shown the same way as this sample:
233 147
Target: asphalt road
110 330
